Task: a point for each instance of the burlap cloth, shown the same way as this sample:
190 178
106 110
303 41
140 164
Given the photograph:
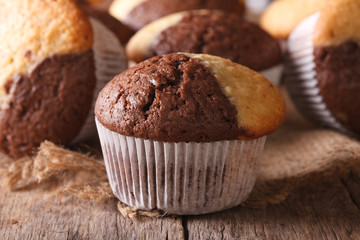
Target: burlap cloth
298 153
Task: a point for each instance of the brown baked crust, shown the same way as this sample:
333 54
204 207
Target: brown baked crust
168 98
338 73
51 103
150 10
220 34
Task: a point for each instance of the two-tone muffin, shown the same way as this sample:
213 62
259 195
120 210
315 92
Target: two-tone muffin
323 75
210 32
137 13
49 71
184 133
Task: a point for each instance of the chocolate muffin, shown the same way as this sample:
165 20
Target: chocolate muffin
207 31
48 72
325 51
179 130
137 13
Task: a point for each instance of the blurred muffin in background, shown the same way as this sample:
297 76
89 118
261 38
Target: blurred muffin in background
282 16
207 31
47 74
51 64
137 13
323 72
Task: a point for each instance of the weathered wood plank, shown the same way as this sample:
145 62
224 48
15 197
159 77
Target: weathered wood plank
27 215
322 212
326 211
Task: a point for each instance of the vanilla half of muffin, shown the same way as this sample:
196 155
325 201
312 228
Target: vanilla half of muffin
282 16
47 73
184 133
323 76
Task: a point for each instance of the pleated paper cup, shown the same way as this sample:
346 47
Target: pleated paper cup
180 178
300 76
273 74
110 60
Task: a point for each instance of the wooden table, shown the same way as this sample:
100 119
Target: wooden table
327 211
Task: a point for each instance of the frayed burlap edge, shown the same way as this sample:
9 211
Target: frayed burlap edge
53 163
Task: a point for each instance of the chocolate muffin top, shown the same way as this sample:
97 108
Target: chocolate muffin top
190 97
207 31
137 13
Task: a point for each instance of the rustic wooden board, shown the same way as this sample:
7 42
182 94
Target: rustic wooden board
321 212
326 211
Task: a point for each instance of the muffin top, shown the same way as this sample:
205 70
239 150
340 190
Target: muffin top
138 13
33 30
190 97
282 16
206 31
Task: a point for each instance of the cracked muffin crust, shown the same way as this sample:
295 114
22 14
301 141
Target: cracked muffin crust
190 97
207 31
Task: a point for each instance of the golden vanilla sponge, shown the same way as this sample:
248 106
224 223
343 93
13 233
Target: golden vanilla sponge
282 16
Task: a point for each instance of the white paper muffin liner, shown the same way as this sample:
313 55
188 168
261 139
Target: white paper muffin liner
180 178
300 76
110 60
273 74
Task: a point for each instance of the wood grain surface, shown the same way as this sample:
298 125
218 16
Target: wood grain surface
329 210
